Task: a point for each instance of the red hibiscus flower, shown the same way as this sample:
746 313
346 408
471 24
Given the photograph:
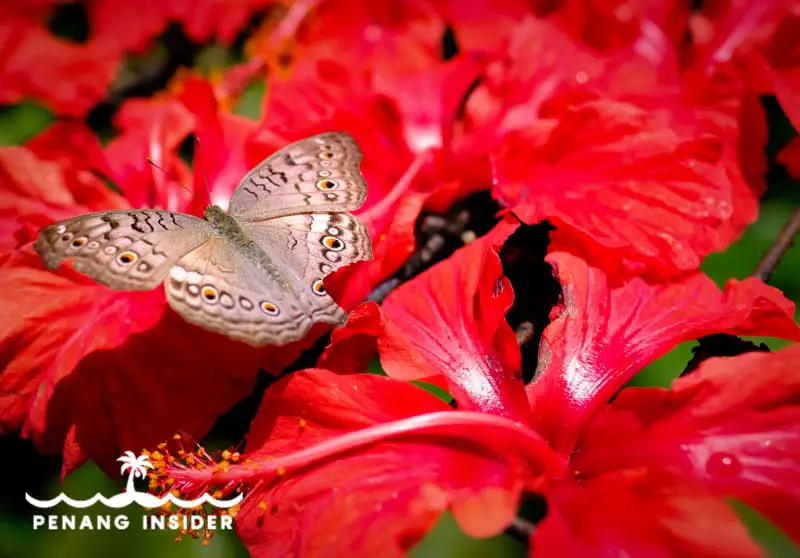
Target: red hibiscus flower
41 65
360 464
80 359
567 125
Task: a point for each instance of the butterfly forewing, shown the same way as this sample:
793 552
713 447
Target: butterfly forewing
129 250
317 174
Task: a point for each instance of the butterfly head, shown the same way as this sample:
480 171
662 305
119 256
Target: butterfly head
224 223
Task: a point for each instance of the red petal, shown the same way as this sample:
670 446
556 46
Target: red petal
723 29
622 515
220 159
354 345
70 362
617 24
72 77
606 332
481 25
543 61
72 144
428 100
386 494
450 321
151 129
362 35
787 90
34 192
790 156
730 426
624 186
39 65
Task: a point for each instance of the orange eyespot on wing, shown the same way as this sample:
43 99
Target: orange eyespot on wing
327 184
127 257
333 243
269 309
319 288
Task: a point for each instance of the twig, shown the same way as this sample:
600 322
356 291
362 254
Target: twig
766 267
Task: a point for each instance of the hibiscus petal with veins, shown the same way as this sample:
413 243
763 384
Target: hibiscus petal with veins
605 332
621 188
731 426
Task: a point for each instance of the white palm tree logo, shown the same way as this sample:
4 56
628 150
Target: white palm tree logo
136 465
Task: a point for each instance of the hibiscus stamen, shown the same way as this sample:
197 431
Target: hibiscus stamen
235 477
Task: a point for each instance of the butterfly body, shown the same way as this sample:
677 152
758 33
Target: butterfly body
227 226
254 273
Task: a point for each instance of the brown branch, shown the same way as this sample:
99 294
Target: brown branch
766 267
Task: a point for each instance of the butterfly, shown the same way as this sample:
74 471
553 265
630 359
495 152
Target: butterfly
254 273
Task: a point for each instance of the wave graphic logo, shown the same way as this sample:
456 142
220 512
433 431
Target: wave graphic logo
137 469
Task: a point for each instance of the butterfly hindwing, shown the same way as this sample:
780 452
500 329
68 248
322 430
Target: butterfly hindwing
219 287
128 250
314 245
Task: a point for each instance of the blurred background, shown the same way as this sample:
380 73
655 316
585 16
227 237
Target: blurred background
24 470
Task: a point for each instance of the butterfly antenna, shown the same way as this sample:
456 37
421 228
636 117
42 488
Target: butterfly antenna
205 178
168 174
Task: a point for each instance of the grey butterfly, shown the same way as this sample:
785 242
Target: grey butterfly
255 273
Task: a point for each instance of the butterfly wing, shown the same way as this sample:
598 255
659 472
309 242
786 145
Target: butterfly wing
312 246
129 250
317 174
226 287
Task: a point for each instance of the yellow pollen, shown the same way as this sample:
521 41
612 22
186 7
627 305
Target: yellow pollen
226 455
235 456
262 505
281 471
303 423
